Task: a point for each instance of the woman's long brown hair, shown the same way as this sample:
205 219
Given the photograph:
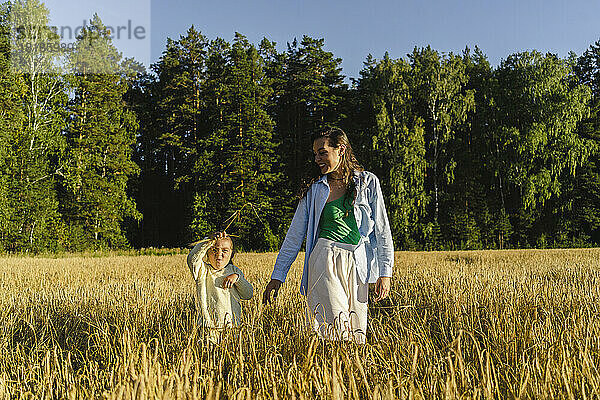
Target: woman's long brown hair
348 163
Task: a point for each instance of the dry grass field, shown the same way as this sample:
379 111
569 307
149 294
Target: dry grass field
488 324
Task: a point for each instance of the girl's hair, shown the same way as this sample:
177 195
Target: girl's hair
232 248
348 163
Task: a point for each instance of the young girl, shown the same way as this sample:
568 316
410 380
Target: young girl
220 285
348 242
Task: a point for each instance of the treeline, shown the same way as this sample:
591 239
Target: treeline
217 134
67 137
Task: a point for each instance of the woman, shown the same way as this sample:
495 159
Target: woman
348 242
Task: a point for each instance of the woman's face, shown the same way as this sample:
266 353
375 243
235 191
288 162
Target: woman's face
327 157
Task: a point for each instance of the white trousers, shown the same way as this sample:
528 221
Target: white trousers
336 298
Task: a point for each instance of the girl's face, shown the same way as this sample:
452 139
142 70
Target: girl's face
220 254
327 157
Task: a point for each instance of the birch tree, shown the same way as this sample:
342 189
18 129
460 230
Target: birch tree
438 84
398 145
37 145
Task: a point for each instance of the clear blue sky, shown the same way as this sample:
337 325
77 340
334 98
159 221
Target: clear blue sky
352 29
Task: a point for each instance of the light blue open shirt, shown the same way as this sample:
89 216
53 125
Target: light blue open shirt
374 255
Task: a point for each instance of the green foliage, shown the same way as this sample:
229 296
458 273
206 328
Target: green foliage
212 100
34 99
309 98
247 153
100 136
538 106
469 156
201 225
398 145
443 101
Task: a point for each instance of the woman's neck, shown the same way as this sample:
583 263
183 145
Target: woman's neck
336 175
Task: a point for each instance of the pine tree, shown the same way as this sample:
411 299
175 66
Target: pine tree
281 193
209 214
101 132
181 75
309 100
174 139
141 187
247 152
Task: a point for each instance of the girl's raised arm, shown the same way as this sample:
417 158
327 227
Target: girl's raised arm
194 259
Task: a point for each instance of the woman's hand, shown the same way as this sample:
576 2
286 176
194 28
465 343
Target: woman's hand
272 286
382 287
229 281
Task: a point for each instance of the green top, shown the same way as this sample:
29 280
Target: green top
337 222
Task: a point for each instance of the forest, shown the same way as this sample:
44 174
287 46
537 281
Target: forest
217 133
